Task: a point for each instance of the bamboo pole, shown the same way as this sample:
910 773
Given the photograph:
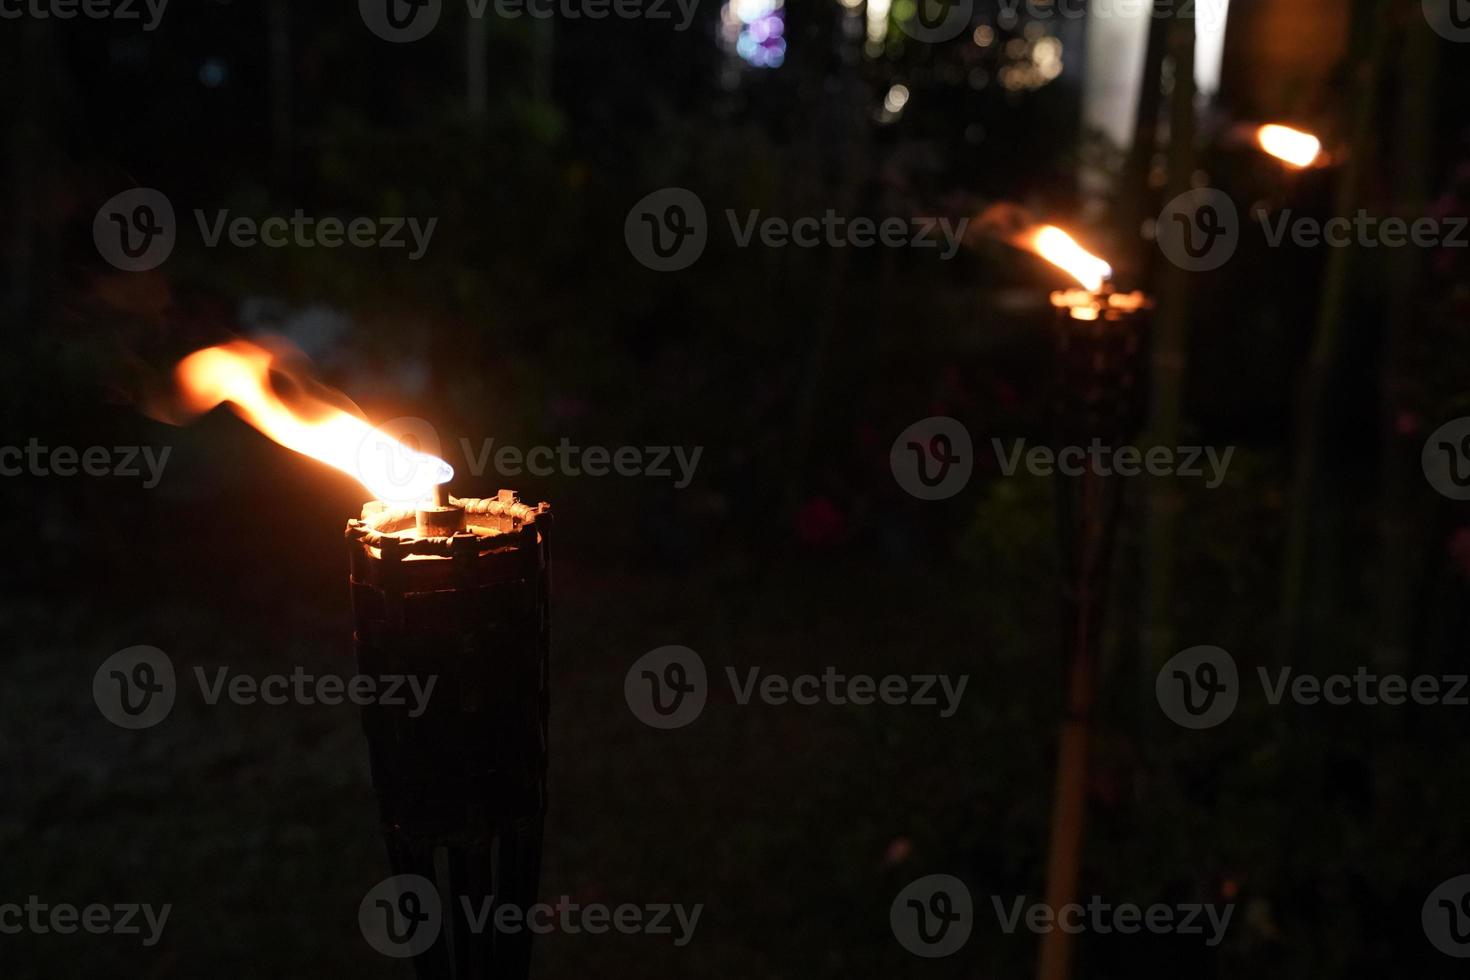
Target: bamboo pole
1134 193
1400 527
1098 505
1321 366
1167 368
1098 519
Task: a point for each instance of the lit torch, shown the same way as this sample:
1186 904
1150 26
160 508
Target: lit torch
1099 334
452 589
1098 398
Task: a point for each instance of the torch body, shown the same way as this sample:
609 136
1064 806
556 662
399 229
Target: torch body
1098 401
461 778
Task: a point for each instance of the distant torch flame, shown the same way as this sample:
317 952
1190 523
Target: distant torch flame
1291 146
240 373
1062 251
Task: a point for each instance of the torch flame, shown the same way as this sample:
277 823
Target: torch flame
1292 146
1062 251
239 373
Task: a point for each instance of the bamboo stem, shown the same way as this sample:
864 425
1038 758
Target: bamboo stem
1167 369
1400 528
1322 363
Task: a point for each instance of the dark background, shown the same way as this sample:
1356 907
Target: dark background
794 548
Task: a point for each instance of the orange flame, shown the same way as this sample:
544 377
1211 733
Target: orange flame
1292 146
240 372
1062 251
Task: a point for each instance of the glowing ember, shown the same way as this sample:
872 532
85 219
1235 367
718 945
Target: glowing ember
1082 304
1062 251
1291 146
240 373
